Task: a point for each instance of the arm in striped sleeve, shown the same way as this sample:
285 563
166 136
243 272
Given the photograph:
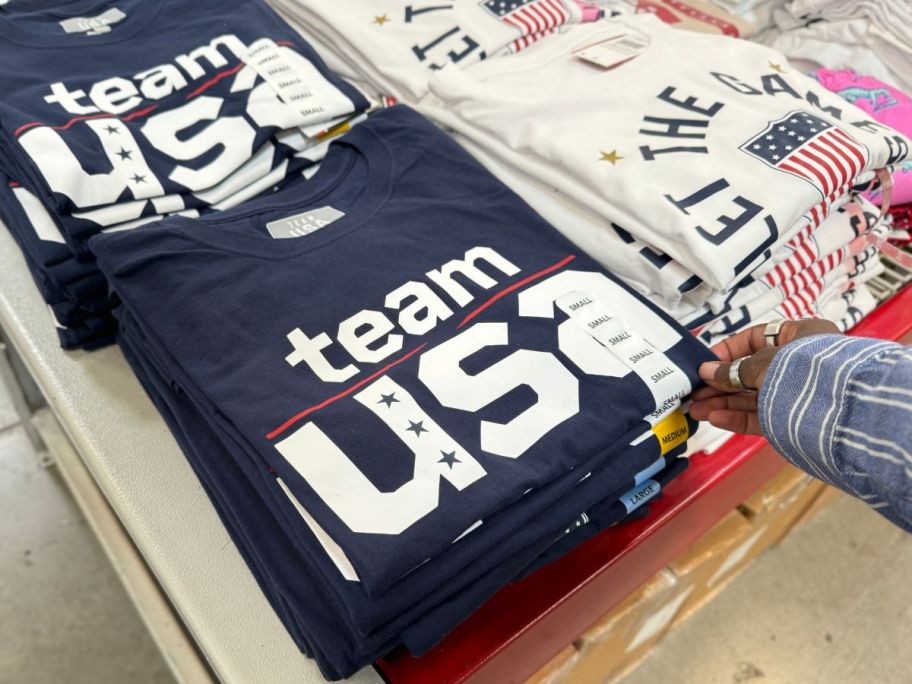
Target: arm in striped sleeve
840 408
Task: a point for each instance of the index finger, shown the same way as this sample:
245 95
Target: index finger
744 343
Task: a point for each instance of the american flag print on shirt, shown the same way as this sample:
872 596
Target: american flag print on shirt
530 17
815 150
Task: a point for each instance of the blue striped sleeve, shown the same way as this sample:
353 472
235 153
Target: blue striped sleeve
840 408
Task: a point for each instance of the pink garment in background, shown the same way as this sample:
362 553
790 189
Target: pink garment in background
885 104
589 11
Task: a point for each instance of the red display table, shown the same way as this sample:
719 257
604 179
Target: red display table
527 623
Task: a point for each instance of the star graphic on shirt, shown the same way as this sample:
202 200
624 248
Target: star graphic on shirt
417 428
380 19
777 67
112 129
125 154
136 178
388 399
449 457
612 157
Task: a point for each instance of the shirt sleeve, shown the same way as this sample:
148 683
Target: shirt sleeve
840 408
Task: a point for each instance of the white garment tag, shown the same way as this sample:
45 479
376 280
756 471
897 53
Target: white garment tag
93 26
667 383
615 50
304 223
292 86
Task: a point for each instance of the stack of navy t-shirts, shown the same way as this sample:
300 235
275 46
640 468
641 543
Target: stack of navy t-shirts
116 114
399 386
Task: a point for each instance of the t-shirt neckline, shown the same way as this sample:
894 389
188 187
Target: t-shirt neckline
359 144
23 29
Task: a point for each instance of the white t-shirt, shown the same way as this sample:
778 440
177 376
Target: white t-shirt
678 145
653 274
397 46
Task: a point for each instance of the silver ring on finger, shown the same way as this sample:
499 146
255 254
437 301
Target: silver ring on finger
734 374
771 332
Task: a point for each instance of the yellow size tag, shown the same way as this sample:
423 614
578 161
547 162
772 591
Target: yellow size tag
672 431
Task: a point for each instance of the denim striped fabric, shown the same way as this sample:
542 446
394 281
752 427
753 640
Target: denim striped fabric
840 408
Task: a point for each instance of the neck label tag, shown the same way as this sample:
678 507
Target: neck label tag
93 26
303 224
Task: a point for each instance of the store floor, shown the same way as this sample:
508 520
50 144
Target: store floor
64 616
831 605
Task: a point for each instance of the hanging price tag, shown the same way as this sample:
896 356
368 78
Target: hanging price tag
616 50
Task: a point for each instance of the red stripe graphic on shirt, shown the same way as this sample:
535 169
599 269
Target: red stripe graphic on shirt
103 115
208 84
215 79
535 276
344 393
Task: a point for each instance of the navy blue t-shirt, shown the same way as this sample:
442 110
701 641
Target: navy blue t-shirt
400 362
119 110
315 607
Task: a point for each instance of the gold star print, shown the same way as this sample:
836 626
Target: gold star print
777 68
612 157
380 19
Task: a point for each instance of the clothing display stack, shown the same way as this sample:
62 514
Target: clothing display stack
413 352
888 105
401 402
693 180
392 49
94 138
871 36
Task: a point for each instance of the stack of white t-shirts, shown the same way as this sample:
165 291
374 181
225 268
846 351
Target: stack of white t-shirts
757 12
807 268
689 15
393 48
683 176
871 36
813 268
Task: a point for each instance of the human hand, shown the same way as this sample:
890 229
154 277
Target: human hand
733 408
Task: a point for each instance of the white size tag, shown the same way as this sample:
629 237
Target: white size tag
667 383
295 80
302 224
615 50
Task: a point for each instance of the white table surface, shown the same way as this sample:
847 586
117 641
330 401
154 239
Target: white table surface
140 469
